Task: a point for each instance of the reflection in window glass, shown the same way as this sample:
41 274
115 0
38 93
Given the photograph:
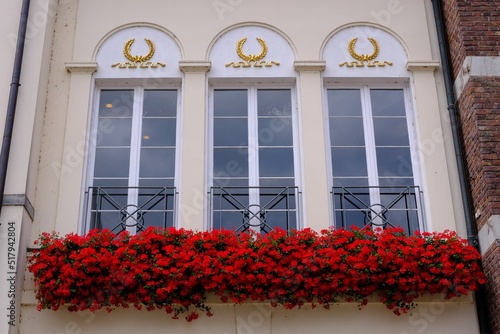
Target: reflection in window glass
134 155
387 102
371 158
252 149
230 102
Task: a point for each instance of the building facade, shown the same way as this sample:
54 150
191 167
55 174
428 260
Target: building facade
230 114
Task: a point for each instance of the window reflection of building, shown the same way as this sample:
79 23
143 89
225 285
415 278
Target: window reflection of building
133 173
372 171
253 167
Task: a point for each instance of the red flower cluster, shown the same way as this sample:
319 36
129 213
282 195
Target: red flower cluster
176 269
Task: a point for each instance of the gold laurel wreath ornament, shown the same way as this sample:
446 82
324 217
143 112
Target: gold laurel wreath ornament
362 58
255 59
138 59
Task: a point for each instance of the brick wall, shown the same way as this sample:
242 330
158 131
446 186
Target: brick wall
491 263
479 107
473 30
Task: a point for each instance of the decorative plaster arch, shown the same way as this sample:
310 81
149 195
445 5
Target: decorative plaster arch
157 52
133 25
364 50
251 49
362 24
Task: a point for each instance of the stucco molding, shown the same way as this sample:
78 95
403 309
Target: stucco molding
489 233
81 67
189 66
476 66
422 65
309 65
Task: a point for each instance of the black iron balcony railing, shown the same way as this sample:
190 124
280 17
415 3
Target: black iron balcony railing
130 208
367 207
254 208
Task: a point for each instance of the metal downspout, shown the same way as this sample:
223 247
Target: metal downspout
456 129
11 107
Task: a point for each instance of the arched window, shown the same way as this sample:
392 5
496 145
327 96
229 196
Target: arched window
371 131
253 156
131 178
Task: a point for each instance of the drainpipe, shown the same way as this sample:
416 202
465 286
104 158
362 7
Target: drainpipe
456 129
11 107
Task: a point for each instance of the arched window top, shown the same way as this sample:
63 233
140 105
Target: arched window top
138 52
364 51
251 51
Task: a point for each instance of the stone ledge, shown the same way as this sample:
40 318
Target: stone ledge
19 200
81 67
422 65
190 66
476 67
489 234
310 65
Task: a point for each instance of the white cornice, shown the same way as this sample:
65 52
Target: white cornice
422 65
476 67
81 67
194 66
309 65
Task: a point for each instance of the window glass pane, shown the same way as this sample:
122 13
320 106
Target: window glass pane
344 102
390 131
156 199
230 162
347 131
109 197
160 103
274 102
394 161
387 102
115 182
396 181
116 103
157 162
401 199
158 219
114 132
275 132
349 161
230 102
230 132
158 132
352 198
276 162
349 219
230 182
112 162
350 182
228 220
156 182
284 220
105 220
230 198
277 182
278 198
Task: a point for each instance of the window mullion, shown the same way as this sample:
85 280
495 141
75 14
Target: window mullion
135 152
371 150
135 146
253 138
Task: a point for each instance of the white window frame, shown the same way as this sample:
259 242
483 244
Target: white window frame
138 87
372 168
252 87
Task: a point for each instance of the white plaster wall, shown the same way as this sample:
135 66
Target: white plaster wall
433 317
